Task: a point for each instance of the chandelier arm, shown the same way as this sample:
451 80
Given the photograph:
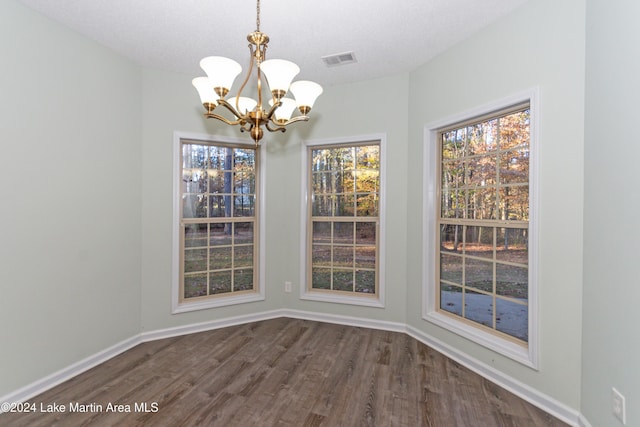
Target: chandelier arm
241 117
293 120
276 129
246 79
272 110
223 119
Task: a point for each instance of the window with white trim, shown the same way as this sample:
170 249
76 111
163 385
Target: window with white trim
481 283
218 227
343 209
483 222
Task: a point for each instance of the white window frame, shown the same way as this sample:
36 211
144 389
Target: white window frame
221 300
526 355
360 300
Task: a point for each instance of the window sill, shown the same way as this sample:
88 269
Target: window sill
365 300
519 353
185 307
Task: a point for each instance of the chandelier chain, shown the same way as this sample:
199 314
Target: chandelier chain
258 15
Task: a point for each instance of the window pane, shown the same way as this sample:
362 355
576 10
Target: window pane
243 256
514 166
478 307
512 245
452 175
344 205
366 257
343 232
321 232
195 285
243 279
343 280
451 299
194 205
194 181
365 233
514 130
323 183
367 181
480 171
452 147
194 156
322 205
244 159
368 157
219 205
452 203
451 268
243 232
367 204
512 319
343 158
220 258
478 274
481 203
365 282
321 278
220 282
195 235
216 182
482 137
512 281
343 256
245 183
514 203
450 237
320 160
195 260
220 234
479 241
321 255
244 205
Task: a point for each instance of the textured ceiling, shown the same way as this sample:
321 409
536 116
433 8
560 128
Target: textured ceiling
387 36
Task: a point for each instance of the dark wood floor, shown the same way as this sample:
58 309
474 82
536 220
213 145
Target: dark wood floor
283 372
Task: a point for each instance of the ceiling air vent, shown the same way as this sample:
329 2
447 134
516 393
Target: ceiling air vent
339 59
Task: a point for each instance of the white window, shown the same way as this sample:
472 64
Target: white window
217 226
481 276
343 221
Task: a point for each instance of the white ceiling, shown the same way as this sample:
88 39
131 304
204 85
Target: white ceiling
387 36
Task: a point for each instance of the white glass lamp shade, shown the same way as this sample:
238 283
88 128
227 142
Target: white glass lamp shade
221 71
279 74
305 93
244 104
205 90
284 111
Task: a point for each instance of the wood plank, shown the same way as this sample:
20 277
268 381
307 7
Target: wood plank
285 372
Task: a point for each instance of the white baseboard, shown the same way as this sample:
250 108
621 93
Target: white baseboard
37 387
541 400
208 326
583 422
345 320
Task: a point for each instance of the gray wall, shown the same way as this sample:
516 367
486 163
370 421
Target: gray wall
611 342
70 235
540 44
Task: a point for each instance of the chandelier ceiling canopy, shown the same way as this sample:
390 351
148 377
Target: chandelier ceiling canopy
247 113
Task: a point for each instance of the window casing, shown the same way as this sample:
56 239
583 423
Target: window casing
342 223
481 281
217 224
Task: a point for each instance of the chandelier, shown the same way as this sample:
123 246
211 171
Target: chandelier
249 114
